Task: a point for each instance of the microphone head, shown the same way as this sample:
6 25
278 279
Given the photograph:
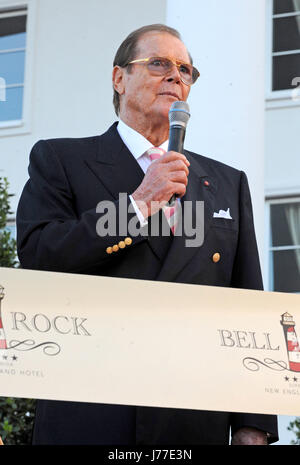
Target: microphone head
179 114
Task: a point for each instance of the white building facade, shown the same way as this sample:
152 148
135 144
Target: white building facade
55 81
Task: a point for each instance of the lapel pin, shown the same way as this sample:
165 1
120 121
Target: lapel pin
206 183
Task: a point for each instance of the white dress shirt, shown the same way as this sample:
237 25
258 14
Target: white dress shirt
138 146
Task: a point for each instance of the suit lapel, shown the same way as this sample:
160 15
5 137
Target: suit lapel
201 187
114 165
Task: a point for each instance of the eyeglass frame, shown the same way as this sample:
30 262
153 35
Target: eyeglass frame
176 63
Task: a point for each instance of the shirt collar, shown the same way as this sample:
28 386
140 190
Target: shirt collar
135 142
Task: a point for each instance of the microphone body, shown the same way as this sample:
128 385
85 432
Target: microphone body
179 115
176 138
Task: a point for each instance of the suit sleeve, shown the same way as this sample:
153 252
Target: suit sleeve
50 234
247 275
246 270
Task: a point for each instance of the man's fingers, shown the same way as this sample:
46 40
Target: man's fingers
171 166
178 165
172 156
179 176
179 189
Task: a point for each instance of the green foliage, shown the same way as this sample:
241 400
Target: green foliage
16 420
294 426
16 415
7 243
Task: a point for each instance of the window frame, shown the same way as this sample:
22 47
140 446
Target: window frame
277 98
268 278
23 126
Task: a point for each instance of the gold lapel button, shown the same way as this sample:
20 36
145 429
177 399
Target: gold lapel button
109 250
115 248
216 257
128 241
122 245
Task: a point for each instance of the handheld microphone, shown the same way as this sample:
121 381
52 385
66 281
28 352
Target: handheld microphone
179 115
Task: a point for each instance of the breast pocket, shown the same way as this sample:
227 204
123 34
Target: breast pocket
224 223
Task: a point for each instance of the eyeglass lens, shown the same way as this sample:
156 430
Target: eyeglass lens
161 66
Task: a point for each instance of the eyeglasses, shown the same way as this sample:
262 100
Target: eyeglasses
159 66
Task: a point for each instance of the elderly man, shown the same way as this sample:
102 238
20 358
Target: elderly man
57 230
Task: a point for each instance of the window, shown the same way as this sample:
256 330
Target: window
285 44
12 64
284 254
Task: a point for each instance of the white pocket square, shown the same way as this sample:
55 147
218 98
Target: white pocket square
223 214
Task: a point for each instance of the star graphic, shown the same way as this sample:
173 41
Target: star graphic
4 357
14 357
286 378
295 379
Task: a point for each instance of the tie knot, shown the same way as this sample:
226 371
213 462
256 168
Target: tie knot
155 153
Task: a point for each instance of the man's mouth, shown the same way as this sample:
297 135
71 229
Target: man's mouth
172 94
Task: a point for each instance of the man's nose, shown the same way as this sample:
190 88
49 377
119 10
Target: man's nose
174 74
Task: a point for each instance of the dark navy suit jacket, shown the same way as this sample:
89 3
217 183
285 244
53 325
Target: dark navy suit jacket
56 231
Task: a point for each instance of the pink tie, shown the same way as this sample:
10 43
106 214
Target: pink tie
170 212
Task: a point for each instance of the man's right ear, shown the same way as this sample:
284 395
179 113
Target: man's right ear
118 79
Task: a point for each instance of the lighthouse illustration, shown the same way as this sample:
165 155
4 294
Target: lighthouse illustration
3 344
292 344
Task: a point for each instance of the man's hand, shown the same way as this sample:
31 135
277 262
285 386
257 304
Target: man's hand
249 437
166 176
